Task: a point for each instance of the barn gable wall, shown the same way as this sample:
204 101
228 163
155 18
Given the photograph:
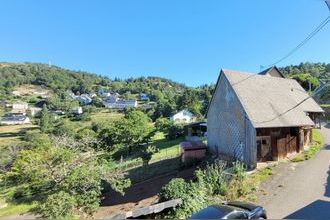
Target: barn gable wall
230 132
275 73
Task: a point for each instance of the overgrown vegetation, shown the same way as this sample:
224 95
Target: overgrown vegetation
214 184
168 95
61 178
316 145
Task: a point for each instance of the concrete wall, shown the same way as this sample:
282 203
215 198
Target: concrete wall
230 132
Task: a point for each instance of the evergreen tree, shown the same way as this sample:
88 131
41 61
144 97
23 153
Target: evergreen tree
44 119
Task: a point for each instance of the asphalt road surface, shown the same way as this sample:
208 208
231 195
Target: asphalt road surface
300 190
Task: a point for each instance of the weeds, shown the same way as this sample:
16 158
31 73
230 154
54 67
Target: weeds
317 144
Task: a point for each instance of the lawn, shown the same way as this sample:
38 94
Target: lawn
168 149
100 116
105 115
12 134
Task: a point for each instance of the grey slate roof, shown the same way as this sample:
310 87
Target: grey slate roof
268 100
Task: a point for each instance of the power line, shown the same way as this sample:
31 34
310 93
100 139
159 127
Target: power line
295 106
310 36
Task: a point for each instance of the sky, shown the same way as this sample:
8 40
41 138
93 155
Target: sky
188 41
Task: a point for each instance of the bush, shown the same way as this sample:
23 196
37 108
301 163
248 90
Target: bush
57 206
175 189
163 124
213 178
175 131
192 195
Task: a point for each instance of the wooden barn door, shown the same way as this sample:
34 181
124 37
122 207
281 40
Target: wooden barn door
286 145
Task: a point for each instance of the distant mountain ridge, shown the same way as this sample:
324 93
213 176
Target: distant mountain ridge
60 79
57 78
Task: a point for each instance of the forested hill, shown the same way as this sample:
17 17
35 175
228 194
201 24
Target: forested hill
170 96
56 78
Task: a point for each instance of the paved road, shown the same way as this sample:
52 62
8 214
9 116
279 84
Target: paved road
300 190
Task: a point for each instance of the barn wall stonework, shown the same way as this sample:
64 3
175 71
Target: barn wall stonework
230 132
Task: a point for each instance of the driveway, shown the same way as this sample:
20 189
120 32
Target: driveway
300 190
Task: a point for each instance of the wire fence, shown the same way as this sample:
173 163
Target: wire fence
127 163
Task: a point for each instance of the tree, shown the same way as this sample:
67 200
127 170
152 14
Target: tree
128 131
45 123
191 100
147 152
163 124
48 174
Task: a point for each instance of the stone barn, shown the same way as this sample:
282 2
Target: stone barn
259 117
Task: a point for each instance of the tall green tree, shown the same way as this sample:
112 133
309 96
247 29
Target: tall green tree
45 122
128 131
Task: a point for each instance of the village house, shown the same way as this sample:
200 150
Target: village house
183 116
19 107
120 104
144 97
259 117
84 99
77 110
12 119
34 110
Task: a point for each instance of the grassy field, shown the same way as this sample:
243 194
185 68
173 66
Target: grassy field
168 149
12 134
100 116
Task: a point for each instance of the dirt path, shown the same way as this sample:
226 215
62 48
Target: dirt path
300 190
139 195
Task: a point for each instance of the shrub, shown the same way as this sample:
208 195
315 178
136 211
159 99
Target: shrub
175 189
213 178
57 206
175 131
192 195
163 124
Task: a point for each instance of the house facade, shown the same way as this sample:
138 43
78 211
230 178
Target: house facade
120 104
77 110
183 116
260 117
19 107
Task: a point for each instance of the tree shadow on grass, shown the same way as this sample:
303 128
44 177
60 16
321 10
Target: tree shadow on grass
21 132
154 177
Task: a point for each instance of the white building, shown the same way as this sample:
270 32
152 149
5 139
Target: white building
77 110
121 104
84 99
20 107
35 110
183 116
15 120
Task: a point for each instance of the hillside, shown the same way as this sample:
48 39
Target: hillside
167 93
56 78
